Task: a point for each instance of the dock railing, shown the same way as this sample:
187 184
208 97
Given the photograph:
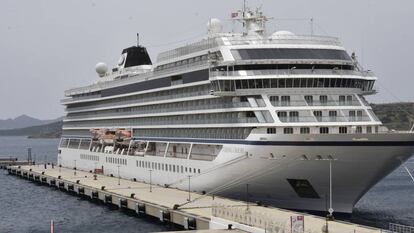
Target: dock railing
255 218
249 217
399 228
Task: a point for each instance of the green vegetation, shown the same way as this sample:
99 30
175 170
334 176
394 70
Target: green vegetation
398 116
51 130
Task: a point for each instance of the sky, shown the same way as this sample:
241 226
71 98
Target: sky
48 46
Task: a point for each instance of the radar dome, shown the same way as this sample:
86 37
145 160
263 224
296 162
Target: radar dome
214 26
282 33
101 68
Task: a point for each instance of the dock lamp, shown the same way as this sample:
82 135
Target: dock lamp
150 173
74 168
119 176
189 188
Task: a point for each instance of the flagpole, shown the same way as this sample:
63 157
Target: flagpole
52 226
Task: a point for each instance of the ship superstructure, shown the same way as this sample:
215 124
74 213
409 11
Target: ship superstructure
277 112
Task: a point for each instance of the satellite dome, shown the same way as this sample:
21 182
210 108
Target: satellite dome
214 26
101 68
282 34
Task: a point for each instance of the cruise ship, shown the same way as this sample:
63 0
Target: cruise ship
276 116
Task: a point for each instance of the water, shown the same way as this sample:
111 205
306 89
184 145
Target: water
27 207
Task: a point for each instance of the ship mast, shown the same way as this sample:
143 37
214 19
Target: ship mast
253 21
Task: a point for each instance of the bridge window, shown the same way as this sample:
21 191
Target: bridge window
290 53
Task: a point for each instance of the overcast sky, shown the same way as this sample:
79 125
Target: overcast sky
48 46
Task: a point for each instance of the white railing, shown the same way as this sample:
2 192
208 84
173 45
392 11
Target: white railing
291 72
270 223
286 39
399 228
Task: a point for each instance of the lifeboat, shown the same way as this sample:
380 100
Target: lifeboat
122 135
96 134
108 138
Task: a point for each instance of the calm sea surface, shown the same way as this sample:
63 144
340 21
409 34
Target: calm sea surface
27 207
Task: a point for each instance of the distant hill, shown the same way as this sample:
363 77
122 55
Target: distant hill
51 130
23 121
398 116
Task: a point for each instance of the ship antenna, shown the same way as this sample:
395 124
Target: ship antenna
311 24
137 39
244 14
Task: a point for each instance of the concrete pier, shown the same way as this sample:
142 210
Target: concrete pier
11 161
202 212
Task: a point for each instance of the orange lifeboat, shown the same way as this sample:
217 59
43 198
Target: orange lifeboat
96 134
122 134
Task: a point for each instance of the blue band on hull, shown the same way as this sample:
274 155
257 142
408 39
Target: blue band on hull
274 143
284 143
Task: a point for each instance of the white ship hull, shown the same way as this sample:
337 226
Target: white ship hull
267 166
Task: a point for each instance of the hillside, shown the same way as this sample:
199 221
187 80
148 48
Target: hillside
51 130
398 116
23 121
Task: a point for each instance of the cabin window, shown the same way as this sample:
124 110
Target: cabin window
352 115
323 99
271 130
309 100
304 130
359 129
359 115
318 115
324 130
341 100
274 100
288 130
349 99
343 130
285 100
294 116
282 116
332 115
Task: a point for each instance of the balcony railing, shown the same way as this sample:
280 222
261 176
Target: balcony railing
291 72
299 103
154 121
163 110
148 100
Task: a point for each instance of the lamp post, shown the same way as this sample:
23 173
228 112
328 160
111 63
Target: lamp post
119 176
150 173
75 168
331 210
60 162
189 188
247 198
